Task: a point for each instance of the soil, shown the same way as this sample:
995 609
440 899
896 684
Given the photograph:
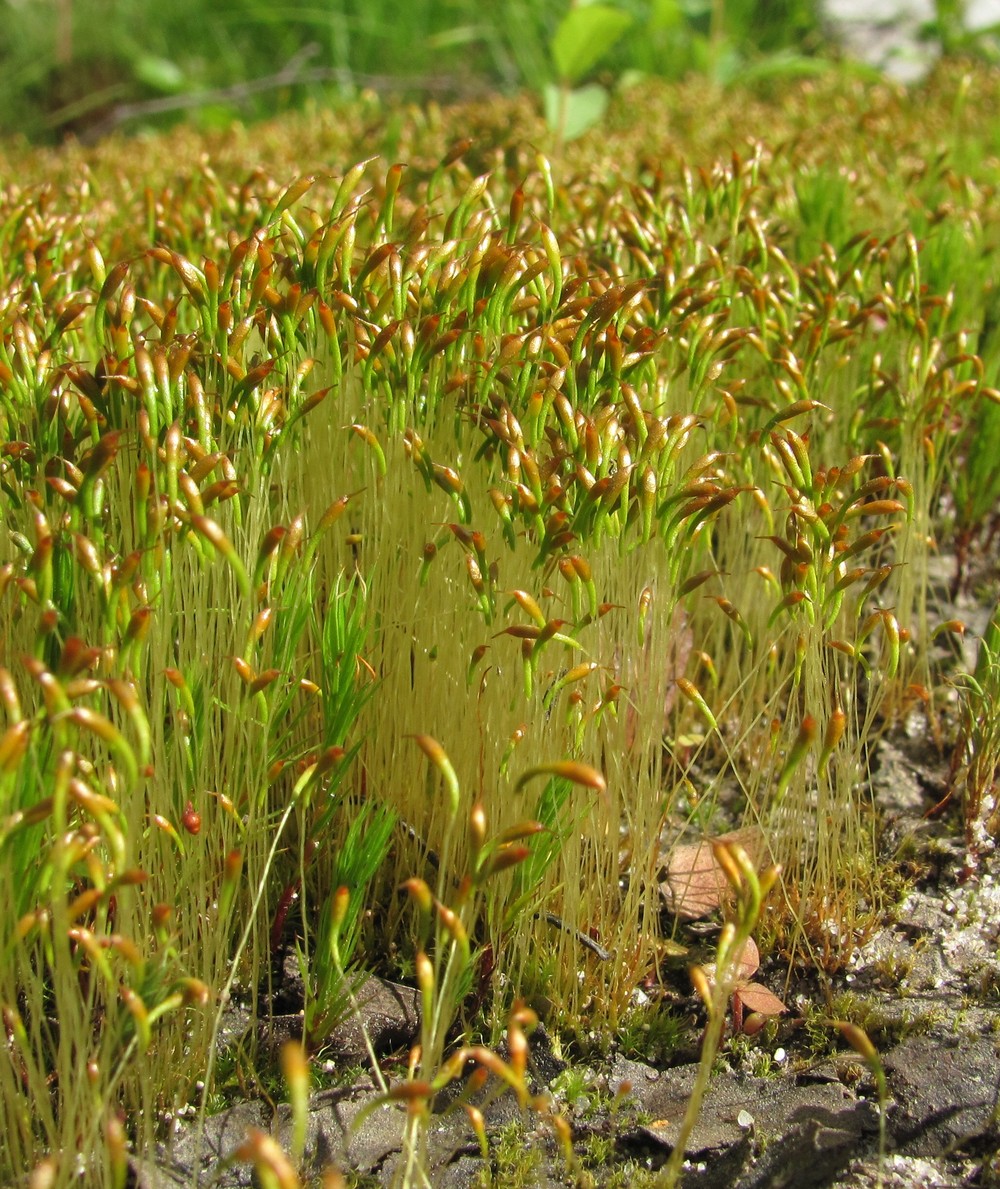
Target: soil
791 1107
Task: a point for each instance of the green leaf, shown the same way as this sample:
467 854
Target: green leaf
666 14
785 64
159 74
584 36
571 113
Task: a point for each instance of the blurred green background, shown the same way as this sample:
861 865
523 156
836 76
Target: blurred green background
86 67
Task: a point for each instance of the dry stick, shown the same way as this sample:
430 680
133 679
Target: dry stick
292 73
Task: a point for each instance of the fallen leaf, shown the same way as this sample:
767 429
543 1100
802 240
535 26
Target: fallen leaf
749 962
752 997
756 997
695 884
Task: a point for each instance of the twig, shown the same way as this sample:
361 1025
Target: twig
291 74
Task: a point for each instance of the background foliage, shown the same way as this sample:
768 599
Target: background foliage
84 67
80 66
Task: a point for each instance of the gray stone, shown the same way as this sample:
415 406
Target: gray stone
752 1131
389 1013
944 1093
189 1155
908 1172
346 1129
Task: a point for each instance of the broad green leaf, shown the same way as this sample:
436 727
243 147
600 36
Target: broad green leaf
159 74
572 113
666 14
584 36
785 64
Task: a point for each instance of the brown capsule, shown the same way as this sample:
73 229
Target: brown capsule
191 819
161 914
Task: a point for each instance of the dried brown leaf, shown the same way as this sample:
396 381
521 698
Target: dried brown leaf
749 962
695 884
756 997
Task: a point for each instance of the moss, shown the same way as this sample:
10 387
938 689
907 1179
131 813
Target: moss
653 1033
514 1162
